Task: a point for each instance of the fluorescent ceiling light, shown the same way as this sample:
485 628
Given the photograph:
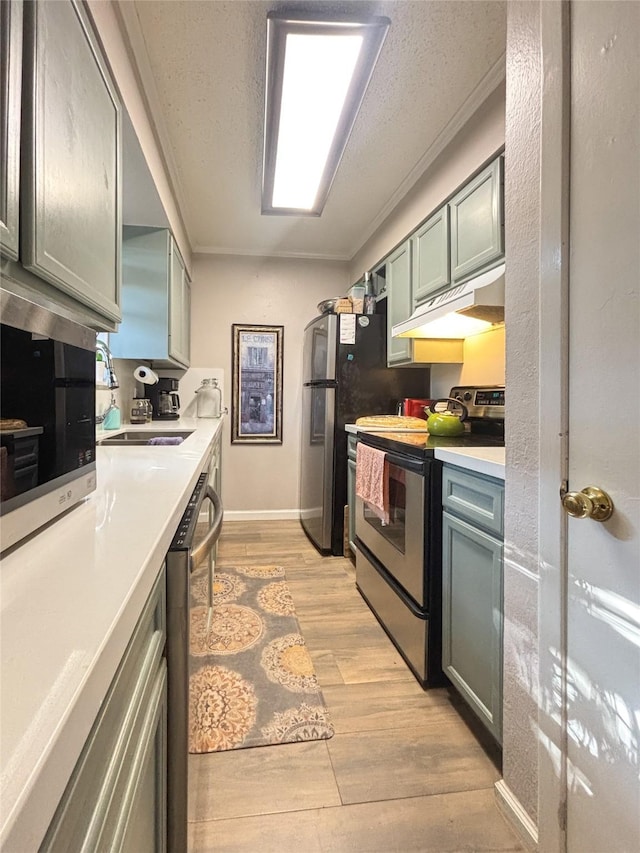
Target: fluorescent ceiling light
317 74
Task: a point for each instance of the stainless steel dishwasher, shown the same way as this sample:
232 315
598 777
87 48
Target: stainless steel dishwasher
182 558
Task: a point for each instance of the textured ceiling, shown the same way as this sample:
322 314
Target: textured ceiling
206 62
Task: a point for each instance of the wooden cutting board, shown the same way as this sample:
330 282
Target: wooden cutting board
392 422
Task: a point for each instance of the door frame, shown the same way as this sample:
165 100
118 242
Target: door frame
555 44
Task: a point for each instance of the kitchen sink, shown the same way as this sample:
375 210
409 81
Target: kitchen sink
140 437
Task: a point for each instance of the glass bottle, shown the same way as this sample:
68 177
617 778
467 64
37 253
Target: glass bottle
209 402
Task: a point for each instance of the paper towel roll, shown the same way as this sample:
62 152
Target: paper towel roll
145 375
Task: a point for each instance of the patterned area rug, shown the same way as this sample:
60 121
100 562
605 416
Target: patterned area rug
252 681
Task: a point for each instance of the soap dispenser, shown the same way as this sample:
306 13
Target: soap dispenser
112 416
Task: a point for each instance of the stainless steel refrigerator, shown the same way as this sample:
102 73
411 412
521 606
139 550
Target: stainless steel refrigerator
344 377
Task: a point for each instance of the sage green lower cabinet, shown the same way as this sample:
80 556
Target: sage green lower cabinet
472 621
351 489
116 798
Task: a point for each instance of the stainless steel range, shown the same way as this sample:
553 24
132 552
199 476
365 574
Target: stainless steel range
399 559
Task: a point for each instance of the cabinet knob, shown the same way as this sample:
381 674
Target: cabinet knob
591 502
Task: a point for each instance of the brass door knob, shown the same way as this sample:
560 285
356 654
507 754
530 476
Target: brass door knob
591 502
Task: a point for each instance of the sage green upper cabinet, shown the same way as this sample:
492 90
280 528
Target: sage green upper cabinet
155 300
71 168
398 277
430 256
410 351
179 308
477 227
10 88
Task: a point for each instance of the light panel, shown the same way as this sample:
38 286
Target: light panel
317 74
452 326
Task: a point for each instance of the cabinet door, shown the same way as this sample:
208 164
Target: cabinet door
179 307
477 228
143 334
142 819
430 250
398 302
472 618
379 281
101 798
10 88
71 208
186 318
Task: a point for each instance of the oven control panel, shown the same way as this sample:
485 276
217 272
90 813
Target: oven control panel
482 401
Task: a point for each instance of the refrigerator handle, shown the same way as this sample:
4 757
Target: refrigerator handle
329 440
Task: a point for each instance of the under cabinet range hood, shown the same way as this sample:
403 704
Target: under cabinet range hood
464 310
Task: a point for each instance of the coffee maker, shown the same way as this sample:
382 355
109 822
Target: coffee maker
165 400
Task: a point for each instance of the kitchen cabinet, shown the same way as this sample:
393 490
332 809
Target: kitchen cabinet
179 308
398 267
10 92
461 239
430 257
116 798
472 569
351 490
410 351
70 201
156 300
477 223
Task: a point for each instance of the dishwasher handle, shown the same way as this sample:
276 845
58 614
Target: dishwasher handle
213 534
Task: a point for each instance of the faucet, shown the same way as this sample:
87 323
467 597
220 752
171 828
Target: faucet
106 352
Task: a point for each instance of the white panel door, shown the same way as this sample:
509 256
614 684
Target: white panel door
603 595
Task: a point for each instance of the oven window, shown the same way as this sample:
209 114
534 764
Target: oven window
395 531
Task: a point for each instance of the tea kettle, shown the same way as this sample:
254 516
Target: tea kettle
445 423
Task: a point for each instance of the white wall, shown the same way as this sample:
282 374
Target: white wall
484 364
261 479
477 142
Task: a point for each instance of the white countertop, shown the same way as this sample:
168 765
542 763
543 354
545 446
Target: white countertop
70 598
483 460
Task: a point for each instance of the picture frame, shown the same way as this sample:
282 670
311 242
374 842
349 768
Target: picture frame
256 398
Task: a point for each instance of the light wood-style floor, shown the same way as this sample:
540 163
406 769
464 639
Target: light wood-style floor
403 772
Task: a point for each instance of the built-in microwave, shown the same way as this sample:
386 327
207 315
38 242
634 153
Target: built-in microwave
47 416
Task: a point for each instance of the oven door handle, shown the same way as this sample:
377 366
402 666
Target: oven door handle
403 462
203 549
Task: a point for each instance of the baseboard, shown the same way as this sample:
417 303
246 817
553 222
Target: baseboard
262 515
515 815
